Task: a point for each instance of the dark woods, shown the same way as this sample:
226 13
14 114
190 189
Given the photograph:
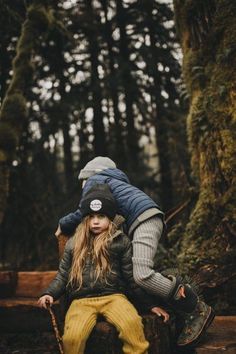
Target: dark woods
96 77
102 78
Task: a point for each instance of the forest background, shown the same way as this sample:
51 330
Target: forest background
151 84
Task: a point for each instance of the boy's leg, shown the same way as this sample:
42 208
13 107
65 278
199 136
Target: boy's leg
196 323
197 314
79 322
122 314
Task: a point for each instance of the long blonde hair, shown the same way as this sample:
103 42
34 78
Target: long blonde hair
96 247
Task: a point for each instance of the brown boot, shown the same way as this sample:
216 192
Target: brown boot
196 324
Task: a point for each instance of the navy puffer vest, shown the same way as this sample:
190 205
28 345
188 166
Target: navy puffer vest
131 201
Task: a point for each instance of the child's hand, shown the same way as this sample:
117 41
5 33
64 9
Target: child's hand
45 300
161 313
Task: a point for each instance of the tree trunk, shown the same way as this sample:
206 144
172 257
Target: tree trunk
161 126
132 138
4 69
14 108
98 125
207 32
83 143
65 125
114 89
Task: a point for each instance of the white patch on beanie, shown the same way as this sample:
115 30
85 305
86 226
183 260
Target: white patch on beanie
95 205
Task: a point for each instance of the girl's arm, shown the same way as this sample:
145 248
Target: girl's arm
58 286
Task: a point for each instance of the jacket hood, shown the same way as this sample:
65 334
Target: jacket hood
115 173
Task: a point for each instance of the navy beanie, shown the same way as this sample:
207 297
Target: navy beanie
99 200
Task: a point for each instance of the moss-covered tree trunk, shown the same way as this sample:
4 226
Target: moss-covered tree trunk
14 108
207 31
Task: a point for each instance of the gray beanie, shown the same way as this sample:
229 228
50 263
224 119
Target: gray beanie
96 165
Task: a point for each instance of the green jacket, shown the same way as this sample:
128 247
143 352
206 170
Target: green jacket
119 280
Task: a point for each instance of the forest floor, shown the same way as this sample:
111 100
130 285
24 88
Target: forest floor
220 337
28 343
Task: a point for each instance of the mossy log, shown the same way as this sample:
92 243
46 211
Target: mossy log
209 69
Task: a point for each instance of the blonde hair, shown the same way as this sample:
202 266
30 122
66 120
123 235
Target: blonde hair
96 247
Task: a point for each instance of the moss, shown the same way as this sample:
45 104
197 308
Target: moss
14 109
210 75
197 128
39 16
3 156
194 70
193 20
8 140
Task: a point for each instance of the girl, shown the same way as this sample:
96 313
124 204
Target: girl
94 270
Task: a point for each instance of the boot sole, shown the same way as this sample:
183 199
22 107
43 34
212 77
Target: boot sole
197 338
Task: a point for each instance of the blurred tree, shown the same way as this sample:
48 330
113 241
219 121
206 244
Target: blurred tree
14 108
159 34
93 33
11 17
128 83
113 84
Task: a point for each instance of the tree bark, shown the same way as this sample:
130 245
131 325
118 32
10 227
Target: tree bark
207 32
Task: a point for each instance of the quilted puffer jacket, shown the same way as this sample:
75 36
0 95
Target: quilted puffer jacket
131 201
119 279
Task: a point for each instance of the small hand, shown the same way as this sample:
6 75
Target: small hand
161 313
45 300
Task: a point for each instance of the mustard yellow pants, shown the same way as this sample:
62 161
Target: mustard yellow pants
82 315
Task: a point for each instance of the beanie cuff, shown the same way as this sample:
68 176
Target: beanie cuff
99 200
107 208
96 165
84 174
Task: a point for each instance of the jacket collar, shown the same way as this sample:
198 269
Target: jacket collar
115 173
118 221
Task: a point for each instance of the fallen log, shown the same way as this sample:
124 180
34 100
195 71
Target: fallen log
20 313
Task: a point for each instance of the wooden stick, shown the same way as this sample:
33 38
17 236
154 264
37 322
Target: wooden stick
55 328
